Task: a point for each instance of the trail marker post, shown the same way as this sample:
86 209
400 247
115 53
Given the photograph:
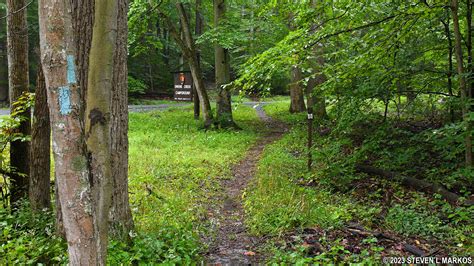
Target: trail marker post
310 137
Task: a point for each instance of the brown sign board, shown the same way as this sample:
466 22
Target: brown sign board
183 86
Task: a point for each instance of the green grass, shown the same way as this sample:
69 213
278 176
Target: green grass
175 169
275 202
278 202
134 101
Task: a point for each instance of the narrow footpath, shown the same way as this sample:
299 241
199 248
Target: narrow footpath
232 244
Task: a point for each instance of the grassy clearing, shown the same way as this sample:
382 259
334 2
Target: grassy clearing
175 169
275 203
136 101
174 173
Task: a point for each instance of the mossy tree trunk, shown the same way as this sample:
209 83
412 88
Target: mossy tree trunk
98 117
296 91
121 221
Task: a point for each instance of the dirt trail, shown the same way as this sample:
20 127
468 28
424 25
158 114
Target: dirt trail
232 244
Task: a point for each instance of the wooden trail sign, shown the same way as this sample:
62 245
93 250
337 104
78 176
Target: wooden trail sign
183 86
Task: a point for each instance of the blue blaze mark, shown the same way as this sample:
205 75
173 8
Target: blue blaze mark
71 70
65 100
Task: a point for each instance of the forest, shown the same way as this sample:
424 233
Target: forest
236 132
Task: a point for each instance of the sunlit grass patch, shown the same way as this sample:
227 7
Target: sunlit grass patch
175 168
276 202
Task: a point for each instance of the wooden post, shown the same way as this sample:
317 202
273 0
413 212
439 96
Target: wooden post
310 136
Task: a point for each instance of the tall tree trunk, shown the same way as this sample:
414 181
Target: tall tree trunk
3 75
58 56
40 174
198 32
449 74
252 29
99 116
462 82
17 39
316 102
121 221
3 64
222 64
59 222
470 66
318 78
296 91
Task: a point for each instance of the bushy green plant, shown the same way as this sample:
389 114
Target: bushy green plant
168 246
8 133
412 222
136 87
28 238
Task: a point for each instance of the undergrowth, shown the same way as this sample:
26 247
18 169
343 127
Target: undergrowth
285 197
174 171
28 238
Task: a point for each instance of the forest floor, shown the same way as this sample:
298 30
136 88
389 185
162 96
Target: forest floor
232 244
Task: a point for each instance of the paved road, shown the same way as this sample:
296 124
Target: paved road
148 108
131 108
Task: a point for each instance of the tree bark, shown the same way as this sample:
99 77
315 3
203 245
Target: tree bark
17 39
319 101
296 91
59 223
58 56
3 65
462 83
222 65
198 32
121 221
470 66
99 116
40 174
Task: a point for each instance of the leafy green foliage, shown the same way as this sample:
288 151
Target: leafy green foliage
174 172
28 238
9 132
281 198
276 203
167 246
410 222
136 87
